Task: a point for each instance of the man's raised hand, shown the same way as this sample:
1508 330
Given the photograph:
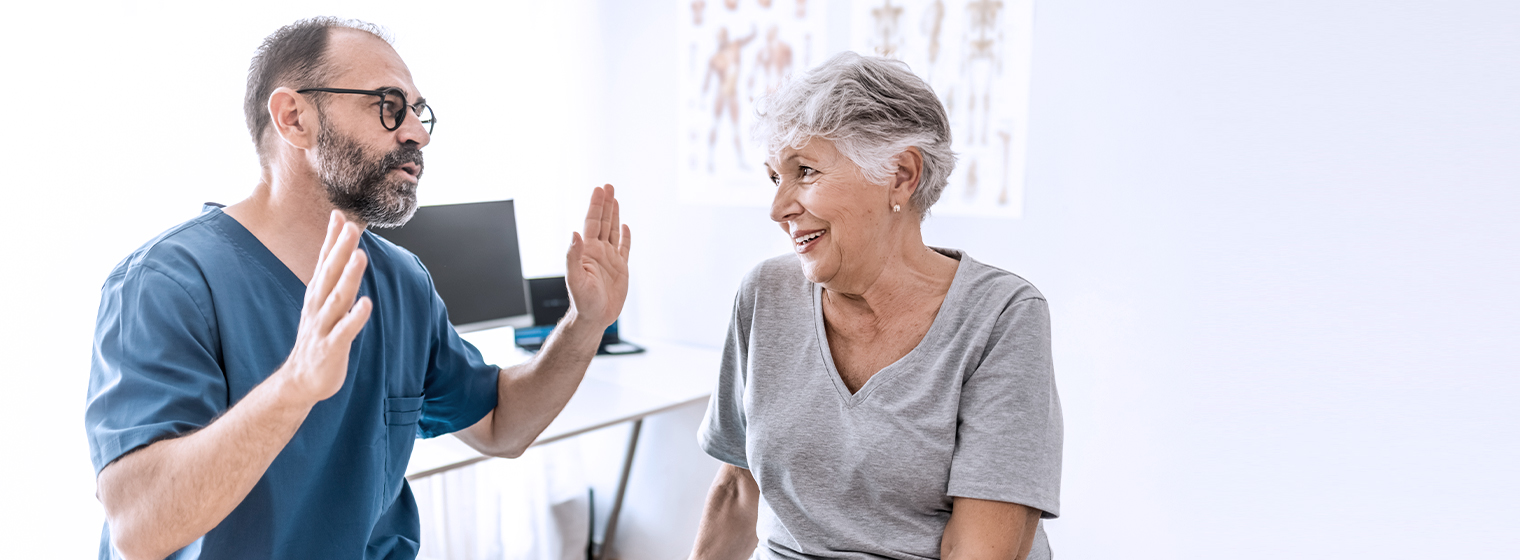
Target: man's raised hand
330 318
596 268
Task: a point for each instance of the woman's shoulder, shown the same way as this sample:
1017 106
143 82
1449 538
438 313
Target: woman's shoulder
983 282
777 281
780 270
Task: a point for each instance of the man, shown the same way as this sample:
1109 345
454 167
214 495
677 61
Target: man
261 371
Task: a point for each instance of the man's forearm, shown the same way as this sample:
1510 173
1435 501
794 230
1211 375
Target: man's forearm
164 496
530 395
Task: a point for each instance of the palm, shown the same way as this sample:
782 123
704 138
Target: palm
597 265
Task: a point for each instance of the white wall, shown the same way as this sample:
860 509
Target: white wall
1278 238
1279 241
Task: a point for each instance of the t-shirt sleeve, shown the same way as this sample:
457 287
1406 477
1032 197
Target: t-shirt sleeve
155 372
1008 443
460 387
722 434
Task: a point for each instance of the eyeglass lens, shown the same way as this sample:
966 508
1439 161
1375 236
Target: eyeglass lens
393 110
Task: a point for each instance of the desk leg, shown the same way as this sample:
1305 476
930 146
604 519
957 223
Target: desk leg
617 501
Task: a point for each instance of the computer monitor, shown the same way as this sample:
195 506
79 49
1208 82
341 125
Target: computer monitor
471 251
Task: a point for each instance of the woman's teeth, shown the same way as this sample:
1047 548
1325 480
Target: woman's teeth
809 237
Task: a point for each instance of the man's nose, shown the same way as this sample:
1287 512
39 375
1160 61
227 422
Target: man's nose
413 130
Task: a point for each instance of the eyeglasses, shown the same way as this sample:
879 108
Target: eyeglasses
393 107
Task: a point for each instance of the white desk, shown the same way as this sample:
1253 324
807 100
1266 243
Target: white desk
616 389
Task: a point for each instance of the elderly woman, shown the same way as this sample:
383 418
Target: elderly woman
887 399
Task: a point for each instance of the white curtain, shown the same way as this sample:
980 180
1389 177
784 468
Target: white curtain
534 507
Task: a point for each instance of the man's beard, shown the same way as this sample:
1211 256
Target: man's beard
362 187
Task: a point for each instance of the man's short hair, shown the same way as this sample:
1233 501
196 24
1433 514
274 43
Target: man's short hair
294 56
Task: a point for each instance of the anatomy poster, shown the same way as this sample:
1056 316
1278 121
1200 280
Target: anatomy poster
733 52
975 54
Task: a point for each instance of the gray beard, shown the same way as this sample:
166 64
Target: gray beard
361 187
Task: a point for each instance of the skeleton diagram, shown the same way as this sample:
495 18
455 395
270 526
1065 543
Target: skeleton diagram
933 24
774 60
982 65
887 37
724 65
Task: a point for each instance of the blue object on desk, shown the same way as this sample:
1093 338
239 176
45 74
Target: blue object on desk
549 300
532 338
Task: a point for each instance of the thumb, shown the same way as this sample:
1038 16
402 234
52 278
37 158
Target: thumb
573 256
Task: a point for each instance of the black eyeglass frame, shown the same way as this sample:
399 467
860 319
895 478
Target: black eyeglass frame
400 116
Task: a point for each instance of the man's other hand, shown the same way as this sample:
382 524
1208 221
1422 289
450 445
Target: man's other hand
596 268
330 318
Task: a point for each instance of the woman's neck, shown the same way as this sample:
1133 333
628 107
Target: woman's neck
910 275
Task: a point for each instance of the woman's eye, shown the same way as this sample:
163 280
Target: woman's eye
806 172
776 180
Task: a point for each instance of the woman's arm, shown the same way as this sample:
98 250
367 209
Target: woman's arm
986 529
727 531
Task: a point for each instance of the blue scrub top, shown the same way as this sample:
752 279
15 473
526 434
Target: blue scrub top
194 319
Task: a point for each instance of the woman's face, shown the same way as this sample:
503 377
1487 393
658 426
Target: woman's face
837 219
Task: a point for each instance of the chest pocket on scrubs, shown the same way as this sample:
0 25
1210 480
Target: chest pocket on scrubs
401 415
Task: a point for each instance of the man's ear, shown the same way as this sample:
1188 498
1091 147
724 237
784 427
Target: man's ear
294 118
910 167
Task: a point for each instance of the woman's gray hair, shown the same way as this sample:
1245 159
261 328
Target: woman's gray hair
872 109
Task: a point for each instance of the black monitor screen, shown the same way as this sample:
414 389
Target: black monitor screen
471 251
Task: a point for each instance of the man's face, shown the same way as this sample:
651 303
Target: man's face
368 187
369 172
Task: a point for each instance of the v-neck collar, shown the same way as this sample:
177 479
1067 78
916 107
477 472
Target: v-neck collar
256 252
885 375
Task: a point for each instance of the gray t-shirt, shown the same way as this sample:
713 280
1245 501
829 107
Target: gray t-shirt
971 411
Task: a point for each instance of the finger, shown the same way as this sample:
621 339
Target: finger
573 256
352 322
320 286
594 214
627 243
342 297
574 270
609 206
337 259
334 228
335 224
614 232
343 294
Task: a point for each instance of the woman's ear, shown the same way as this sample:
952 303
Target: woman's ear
910 167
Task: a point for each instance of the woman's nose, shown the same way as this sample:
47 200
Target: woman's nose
784 207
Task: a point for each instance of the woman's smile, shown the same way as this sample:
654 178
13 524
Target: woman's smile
805 240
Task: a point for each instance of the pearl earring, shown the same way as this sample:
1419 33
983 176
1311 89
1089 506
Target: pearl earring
896 208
